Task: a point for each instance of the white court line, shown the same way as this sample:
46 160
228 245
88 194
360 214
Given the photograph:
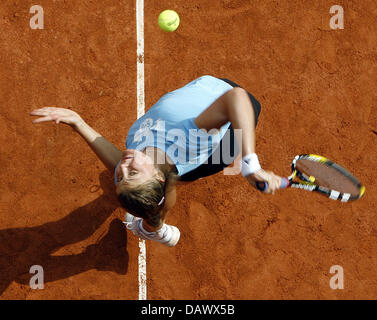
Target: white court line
140 57
140 112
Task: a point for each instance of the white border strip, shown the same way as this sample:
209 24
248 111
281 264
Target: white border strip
140 112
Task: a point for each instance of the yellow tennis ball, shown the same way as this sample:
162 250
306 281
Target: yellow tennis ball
168 20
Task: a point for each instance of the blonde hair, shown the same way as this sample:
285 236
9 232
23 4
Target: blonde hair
144 200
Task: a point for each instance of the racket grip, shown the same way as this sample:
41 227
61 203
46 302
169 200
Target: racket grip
263 186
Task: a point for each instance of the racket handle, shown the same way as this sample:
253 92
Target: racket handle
263 186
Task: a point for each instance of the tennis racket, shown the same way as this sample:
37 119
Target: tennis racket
317 173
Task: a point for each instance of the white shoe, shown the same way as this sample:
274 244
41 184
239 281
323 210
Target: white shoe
167 235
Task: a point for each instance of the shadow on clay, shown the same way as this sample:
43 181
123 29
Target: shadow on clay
20 248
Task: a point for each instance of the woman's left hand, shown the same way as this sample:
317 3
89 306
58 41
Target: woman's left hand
261 175
67 116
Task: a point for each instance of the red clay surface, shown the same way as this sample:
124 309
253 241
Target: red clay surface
58 209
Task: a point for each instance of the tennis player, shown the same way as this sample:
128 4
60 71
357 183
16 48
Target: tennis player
190 133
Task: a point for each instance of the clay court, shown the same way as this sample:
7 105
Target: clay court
58 207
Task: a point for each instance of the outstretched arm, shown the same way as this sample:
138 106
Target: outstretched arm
109 154
104 149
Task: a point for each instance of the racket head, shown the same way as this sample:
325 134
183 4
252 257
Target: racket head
326 177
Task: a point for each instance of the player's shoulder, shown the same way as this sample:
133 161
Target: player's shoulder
213 83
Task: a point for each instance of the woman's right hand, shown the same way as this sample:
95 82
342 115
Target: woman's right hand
67 116
261 175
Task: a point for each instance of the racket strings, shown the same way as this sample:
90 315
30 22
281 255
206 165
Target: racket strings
328 175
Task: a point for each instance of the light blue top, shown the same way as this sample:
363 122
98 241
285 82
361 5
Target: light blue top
169 124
